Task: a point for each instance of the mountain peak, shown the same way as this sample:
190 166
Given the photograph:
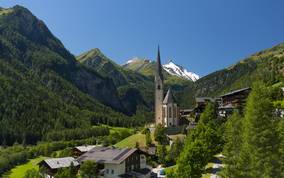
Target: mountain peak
180 71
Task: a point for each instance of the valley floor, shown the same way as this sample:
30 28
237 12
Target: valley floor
20 170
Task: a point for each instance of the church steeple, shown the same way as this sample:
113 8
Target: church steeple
159 91
159 67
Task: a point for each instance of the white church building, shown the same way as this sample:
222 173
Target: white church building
166 109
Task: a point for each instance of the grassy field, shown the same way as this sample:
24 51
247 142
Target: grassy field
141 139
131 141
20 170
118 129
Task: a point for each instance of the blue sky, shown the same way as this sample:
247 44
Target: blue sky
201 35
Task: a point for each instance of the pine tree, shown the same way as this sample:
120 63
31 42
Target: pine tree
232 147
258 156
281 147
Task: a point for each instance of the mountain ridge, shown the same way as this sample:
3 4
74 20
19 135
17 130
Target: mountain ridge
144 65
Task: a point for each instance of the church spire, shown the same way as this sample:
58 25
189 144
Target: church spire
159 65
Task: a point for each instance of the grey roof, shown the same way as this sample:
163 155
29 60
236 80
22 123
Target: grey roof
169 98
85 148
56 163
235 91
107 154
149 150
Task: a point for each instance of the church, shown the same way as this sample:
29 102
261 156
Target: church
166 108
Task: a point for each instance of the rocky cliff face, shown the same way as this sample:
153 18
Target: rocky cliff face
134 88
96 60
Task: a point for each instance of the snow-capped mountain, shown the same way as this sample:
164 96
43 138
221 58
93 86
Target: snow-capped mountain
178 70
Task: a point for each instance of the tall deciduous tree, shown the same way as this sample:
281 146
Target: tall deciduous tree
175 150
160 134
162 153
88 169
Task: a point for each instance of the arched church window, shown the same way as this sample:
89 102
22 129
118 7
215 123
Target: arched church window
170 111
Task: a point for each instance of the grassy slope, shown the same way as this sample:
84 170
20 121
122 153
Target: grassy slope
131 141
141 139
20 170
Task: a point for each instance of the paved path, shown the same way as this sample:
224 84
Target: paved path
217 166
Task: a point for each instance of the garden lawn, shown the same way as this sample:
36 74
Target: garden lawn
20 170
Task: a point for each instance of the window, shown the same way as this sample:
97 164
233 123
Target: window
107 171
170 111
112 171
175 112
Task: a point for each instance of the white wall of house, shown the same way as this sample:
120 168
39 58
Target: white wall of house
113 170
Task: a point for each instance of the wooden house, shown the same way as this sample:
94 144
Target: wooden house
49 167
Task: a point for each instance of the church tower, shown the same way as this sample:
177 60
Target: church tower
159 91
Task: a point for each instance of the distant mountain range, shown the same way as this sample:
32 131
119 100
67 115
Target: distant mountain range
44 87
142 65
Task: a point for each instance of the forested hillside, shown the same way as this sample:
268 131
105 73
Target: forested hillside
266 66
43 87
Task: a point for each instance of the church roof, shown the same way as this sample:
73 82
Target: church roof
159 67
169 98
